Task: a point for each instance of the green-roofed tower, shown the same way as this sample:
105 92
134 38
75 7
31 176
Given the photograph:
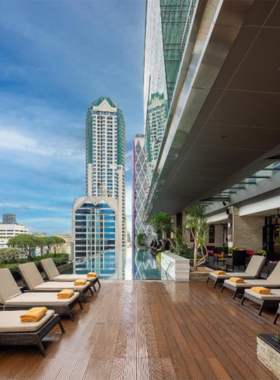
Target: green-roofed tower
105 151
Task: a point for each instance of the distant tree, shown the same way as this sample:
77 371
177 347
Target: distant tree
58 241
11 255
26 242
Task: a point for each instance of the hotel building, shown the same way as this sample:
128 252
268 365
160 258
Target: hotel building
98 219
220 140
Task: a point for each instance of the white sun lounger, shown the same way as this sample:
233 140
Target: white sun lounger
11 298
14 332
35 282
263 300
253 270
273 281
53 274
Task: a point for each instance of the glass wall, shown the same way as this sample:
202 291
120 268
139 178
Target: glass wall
95 239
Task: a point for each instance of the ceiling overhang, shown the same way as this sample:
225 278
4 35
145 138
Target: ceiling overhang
224 120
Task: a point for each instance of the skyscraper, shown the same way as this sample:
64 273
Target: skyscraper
9 219
98 219
105 152
139 188
167 27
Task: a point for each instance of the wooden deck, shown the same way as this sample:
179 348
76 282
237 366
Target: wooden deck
149 330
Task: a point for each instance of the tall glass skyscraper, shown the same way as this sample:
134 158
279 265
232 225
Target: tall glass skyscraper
167 27
99 226
139 188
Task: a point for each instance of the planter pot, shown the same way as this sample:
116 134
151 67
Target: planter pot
268 351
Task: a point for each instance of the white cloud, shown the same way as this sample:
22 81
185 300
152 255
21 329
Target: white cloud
26 206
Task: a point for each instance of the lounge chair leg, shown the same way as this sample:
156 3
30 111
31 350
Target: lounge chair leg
234 294
275 318
243 300
99 283
261 308
41 347
61 327
222 289
215 284
81 306
94 288
71 316
91 292
207 280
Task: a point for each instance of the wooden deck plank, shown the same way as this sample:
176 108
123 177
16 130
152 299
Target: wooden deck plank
149 330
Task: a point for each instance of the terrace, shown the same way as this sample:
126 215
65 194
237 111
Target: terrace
156 330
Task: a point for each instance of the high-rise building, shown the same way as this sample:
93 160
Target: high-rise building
105 152
9 219
155 122
98 219
10 230
167 26
139 188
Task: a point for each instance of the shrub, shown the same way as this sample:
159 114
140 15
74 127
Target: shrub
11 255
141 239
60 259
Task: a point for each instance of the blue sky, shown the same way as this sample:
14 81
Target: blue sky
56 58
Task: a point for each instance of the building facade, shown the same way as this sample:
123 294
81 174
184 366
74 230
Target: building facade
8 231
166 31
97 235
98 219
220 140
9 219
105 152
139 188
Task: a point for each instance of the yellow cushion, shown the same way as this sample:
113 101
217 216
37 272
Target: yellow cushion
261 290
80 282
34 314
92 274
220 272
65 293
238 280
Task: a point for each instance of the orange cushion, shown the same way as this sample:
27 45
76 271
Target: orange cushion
220 256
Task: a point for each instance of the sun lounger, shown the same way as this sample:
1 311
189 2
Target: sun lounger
35 282
263 300
53 274
11 297
253 270
14 332
276 315
273 281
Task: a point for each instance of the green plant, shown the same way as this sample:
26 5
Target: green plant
262 252
198 227
277 240
11 255
61 259
276 337
141 239
162 222
26 242
181 248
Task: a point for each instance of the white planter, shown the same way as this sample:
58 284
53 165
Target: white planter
176 267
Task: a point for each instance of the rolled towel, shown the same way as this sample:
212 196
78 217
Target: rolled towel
65 293
80 282
261 290
220 272
91 274
34 314
237 280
